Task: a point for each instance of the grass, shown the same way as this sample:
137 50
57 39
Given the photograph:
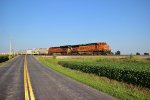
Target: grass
1 64
4 58
117 89
5 62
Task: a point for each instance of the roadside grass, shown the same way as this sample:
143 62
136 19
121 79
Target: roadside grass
114 88
1 64
4 58
5 62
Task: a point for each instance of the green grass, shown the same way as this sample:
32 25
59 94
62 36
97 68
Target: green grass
3 63
117 89
10 58
4 58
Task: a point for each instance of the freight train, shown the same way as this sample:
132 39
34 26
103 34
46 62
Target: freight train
99 48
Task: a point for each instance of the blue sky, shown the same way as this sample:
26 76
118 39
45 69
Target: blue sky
123 24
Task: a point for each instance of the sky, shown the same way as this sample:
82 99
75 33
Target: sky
123 24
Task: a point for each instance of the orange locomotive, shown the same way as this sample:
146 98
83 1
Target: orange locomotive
99 48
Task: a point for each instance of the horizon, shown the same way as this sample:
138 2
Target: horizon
124 25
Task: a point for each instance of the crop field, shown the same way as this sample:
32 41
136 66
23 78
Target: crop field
88 71
130 72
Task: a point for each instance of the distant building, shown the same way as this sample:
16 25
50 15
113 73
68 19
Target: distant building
41 51
29 51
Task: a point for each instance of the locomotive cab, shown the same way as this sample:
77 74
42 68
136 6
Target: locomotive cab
103 47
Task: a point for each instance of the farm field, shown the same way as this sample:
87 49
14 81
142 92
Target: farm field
119 89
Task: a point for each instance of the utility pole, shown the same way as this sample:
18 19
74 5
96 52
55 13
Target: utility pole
10 48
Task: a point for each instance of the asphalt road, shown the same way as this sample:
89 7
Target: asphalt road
11 80
46 83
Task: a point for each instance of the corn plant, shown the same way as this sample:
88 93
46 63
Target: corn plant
124 74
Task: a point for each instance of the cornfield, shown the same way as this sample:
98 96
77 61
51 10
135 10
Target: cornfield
128 73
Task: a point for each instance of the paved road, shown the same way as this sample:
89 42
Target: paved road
11 80
50 85
46 83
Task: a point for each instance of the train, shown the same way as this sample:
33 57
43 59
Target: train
99 48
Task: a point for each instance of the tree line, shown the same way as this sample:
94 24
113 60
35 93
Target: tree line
119 53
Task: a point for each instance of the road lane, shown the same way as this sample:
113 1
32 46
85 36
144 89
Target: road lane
50 85
11 80
27 83
46 83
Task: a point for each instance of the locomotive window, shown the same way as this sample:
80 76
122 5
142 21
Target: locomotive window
103 43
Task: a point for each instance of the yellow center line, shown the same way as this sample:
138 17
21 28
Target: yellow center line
29 95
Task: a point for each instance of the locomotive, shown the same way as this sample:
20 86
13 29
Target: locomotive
99 48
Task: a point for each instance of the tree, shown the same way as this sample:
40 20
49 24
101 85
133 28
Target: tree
112 53
138 53
118 53
146 53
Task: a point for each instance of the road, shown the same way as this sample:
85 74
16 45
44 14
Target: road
11 80
46 83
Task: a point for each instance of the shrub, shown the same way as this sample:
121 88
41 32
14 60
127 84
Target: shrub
117 53
146 53
138 53
136 77
4 58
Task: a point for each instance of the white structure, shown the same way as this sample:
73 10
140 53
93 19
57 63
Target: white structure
38 51
41 51
10 49
29 51
5 53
